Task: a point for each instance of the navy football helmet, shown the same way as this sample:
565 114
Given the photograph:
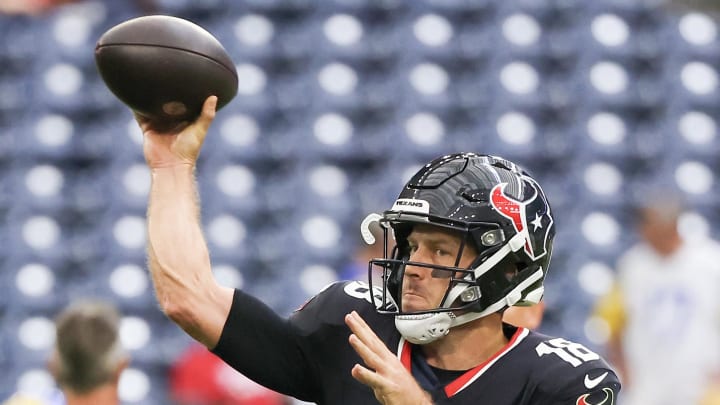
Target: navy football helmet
498 209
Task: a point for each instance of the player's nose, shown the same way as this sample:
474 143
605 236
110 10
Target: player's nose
414 270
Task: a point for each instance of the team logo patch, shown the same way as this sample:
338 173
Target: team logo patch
594 398
530 218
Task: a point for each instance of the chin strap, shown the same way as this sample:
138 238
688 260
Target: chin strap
429 327
421 329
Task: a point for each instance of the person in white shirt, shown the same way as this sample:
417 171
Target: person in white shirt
664 314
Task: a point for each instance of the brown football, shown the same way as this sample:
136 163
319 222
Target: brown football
164 67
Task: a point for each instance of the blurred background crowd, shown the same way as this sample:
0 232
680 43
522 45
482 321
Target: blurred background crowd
604 102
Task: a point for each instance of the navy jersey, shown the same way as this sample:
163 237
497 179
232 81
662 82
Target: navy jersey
309 357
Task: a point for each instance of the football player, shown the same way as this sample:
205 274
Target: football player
472 236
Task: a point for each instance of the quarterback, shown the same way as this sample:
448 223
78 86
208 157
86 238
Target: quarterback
471 234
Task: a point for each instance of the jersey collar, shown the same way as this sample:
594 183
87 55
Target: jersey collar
405 350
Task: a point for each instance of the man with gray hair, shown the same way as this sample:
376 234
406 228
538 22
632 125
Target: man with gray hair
87 359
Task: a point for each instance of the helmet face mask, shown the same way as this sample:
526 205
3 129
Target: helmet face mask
393 272
497 210
393 267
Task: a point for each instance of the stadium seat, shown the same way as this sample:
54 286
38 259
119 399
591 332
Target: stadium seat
144 384
191 9
14 89
30 339
692 132
90 194
370 7
126 281
19 49
693 81
131 179
282 6
48 135
694 177
32 379
460 7
38 284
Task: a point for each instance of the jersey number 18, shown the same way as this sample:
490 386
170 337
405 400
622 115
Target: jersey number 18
573 353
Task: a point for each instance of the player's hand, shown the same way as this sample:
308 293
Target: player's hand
179 145
392 384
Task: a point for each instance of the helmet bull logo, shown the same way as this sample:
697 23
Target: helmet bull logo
518 211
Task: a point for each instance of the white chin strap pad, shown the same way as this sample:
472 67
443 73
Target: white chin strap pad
421 329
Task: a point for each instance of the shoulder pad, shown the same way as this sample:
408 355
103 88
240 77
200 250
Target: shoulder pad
574 372
335 301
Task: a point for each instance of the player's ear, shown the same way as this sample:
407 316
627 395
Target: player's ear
53 365
122 365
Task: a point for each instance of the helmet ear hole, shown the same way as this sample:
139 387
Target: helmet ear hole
502 279
400 254
395 275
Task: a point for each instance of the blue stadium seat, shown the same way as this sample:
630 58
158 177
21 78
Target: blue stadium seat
443 85
253 134
124 186
561 188
124 281
368 6
691 132
693 176
124 134
144 384
36 284
32 379
191 9
91 194
29 337
19 48
46 136
343 134
42 186
14 90
8 134
461 7
618 135
278 43
282 294
144 330
363 41
693 82
292 7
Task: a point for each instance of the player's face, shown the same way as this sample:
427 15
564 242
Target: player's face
423 288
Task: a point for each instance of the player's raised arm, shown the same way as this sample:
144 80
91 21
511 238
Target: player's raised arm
177 253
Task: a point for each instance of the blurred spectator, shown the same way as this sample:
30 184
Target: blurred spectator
38 7
663 313
201 378
31 7
87 359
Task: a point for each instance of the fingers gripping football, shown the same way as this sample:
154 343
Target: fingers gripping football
179 145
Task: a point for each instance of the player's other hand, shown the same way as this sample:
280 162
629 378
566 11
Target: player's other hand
179 144
386 375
